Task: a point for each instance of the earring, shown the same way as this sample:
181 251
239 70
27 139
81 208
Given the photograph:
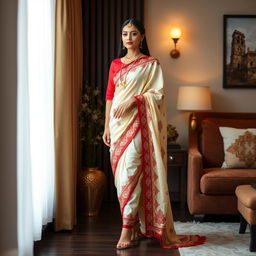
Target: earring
123 47
140 44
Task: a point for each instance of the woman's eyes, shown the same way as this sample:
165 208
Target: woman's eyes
133 34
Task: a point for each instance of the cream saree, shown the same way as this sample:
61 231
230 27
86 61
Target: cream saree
138 153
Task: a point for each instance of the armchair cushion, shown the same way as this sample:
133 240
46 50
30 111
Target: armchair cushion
224 181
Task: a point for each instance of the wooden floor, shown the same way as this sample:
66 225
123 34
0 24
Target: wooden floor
99 235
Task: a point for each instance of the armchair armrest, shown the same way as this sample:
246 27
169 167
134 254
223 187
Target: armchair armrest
195 167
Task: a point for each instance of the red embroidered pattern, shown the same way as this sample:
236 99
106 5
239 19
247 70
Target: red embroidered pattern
127 67
127 190
123 142
160 218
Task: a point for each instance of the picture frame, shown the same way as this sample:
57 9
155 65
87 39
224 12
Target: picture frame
239 58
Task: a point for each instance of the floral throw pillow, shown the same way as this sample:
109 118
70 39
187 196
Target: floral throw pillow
239 147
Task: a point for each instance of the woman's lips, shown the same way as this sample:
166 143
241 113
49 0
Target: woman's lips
129 43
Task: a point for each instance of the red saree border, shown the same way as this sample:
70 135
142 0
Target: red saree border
154 220
199 240
123 142
146 167
132 66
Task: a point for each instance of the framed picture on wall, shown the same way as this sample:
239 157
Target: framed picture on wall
239 60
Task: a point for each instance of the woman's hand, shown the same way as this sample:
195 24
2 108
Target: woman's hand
106 137
122 108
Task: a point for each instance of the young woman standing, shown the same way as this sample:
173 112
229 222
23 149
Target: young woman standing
135 131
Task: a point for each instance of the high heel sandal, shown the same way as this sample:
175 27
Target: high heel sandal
137 234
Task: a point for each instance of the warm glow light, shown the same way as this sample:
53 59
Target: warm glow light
175 33
194 98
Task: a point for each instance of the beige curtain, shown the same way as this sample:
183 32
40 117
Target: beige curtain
68 82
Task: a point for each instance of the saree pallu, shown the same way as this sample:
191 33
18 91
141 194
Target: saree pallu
139 153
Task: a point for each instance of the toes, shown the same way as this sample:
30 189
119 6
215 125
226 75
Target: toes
123 245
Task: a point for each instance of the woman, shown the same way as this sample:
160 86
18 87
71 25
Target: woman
135 131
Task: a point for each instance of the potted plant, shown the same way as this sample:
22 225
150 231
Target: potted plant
91 117
172 136
91 180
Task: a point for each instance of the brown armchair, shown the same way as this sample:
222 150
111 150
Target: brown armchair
211 189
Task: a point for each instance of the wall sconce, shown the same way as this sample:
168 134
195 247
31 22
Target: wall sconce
175 35
194 98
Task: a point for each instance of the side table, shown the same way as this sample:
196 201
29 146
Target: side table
178 158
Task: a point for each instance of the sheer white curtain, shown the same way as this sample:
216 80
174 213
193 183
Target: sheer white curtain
35 120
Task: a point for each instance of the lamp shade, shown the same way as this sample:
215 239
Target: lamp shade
194 98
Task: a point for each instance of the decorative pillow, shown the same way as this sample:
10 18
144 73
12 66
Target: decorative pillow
239 147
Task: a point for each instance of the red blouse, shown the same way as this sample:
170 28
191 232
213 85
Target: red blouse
115 66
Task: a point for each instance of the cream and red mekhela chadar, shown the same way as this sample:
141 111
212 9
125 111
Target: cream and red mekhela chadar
138 151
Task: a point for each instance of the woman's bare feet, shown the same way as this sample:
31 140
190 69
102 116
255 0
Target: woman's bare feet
125 240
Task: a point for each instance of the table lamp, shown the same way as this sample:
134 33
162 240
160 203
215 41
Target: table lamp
194 98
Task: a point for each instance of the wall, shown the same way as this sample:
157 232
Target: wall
8 91
201 49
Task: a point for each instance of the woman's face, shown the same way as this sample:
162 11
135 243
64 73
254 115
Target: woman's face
131 37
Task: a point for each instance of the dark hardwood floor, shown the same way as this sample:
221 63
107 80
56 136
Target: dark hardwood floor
99 235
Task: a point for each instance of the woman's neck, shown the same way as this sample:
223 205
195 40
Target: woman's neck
132 53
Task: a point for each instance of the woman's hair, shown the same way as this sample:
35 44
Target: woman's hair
144 49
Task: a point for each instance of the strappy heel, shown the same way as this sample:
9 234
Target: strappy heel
137 234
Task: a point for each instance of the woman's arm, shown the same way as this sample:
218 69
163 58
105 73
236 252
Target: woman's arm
106 134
